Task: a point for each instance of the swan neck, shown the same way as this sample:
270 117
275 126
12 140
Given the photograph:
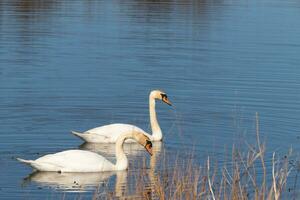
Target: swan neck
156 131
120 182
122 161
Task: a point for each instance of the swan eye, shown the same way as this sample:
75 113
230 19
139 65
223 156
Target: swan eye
164 96
148 143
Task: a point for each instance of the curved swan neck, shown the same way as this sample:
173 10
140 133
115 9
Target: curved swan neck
122 161
156 131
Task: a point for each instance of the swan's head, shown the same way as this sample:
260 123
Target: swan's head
145 141
158 94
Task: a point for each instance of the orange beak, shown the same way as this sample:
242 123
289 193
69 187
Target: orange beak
167 101
148 147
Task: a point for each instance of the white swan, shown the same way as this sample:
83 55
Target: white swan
86 161
109 133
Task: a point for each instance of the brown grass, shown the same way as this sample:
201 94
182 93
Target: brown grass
246 176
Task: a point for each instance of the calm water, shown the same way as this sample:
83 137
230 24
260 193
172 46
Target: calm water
74 65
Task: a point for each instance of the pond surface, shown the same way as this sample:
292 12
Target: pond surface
74 65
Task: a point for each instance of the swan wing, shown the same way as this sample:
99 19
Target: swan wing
73 161
108 133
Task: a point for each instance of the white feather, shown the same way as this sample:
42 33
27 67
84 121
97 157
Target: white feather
109 133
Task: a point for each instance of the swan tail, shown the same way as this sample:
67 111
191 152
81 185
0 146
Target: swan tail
80 135
29 162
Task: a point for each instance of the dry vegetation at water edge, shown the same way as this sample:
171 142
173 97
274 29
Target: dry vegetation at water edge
246 176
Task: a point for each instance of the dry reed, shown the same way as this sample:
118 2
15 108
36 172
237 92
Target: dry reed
246 176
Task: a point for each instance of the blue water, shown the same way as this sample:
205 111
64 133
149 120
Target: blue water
74 65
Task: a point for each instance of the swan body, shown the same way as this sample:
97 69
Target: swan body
109 133
71 161
86 161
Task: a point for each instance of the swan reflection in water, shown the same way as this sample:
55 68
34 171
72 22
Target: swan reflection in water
130 149
77 182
